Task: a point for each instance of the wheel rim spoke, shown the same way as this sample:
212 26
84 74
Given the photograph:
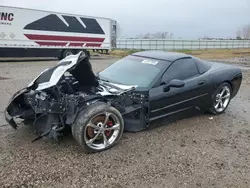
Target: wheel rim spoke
93 126
89 142
217 104
106 118
105 140
221 104
223 91
114 127
226 96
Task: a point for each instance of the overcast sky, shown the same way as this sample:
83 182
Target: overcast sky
184 18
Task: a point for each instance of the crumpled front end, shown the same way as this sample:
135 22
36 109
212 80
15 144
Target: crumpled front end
44 110
19 107
50 100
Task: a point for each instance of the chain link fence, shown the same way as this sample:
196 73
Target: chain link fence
149 44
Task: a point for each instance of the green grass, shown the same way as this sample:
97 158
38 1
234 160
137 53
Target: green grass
185 51
205 54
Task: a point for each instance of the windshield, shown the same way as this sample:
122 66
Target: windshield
132 70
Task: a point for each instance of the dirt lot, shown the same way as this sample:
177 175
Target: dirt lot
205 151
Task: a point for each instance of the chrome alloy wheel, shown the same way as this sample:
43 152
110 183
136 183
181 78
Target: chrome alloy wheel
222 99
102 131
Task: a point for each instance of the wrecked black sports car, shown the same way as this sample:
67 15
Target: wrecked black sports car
127 96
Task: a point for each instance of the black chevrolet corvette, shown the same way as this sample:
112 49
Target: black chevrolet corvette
129 95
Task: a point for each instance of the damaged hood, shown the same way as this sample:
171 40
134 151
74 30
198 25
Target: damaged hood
51 76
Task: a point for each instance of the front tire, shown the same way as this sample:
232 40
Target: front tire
221 99
98 127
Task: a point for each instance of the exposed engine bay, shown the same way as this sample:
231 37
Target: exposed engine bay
53 100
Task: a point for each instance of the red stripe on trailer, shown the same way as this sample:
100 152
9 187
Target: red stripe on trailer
52 43
76 44
63 38
93 45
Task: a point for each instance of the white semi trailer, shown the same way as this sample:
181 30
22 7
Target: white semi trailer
35 33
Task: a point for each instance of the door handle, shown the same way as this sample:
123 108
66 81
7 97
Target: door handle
201 82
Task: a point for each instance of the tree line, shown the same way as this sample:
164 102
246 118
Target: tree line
243 33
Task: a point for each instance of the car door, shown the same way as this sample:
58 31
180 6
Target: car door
191 97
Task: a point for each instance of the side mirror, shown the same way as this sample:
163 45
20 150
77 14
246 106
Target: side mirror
173 83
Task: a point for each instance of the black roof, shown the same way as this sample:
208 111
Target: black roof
161 55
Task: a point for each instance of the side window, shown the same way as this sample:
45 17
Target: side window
181 69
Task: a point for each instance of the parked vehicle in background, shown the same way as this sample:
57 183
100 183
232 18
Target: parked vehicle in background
35 33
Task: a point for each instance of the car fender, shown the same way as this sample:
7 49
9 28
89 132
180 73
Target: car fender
88 100
227 73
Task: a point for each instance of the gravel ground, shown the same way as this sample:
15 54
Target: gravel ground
203 151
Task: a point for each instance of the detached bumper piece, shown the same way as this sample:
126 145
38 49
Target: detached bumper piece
10 120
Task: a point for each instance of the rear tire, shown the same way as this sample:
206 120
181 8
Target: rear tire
67 53
221 99
98 127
